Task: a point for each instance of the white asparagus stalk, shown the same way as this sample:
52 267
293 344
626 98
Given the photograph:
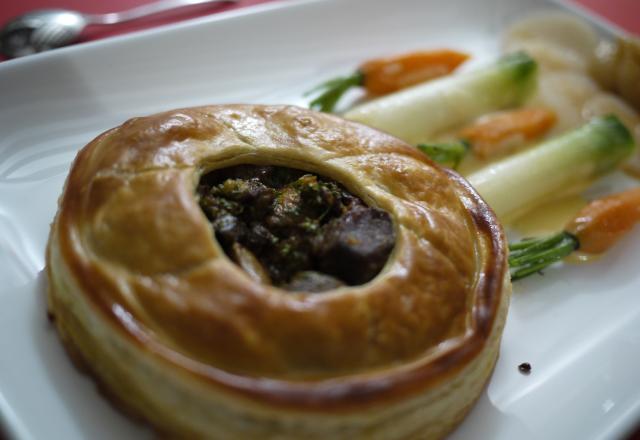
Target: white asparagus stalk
520 182
418 113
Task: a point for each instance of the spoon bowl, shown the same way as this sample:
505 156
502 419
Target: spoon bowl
24 35
47 29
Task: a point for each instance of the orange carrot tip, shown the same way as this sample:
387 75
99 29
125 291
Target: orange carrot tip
499 133
386 75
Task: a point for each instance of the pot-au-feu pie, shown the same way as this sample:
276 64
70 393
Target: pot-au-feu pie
250 272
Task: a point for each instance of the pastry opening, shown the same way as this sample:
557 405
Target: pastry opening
293 229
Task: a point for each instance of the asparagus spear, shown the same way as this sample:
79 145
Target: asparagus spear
385 75
520 182
418 113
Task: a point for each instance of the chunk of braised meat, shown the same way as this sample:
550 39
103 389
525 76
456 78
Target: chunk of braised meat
251 194
259 237
229 229
356 246
288 256
285 209
293 225
305 203
321 199
214 205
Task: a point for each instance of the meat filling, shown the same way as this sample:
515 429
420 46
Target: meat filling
293 229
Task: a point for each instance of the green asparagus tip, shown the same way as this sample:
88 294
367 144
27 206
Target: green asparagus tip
616 131
449 154
333 90
520 63
612 138
530 256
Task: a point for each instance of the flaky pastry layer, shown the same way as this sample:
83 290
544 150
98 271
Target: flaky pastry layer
177 332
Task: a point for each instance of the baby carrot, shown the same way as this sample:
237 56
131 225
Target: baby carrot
596 228
497 133
385 75
603 222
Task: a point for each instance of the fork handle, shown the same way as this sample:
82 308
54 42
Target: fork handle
145 10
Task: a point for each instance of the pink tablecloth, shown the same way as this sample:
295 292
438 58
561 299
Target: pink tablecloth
12 8
625 13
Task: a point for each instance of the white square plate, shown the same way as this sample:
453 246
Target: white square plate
579 327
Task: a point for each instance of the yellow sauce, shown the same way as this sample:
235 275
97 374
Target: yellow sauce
549 218
580 258
470 164
631 171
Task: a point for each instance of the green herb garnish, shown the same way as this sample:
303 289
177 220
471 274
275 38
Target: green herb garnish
333 90
449 154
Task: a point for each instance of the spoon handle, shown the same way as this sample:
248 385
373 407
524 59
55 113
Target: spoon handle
145 10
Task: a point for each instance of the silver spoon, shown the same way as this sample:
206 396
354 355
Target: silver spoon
47 29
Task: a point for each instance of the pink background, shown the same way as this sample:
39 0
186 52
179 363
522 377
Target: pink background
13 8
625 13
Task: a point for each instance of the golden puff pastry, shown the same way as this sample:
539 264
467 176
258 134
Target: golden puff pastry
144 295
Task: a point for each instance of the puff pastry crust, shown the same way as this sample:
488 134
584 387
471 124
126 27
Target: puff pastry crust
143 294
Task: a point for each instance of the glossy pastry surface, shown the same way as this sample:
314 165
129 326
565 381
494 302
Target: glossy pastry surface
136 272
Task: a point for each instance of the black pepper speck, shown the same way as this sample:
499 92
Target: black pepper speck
525 368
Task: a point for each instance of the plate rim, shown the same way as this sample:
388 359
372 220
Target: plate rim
9 421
